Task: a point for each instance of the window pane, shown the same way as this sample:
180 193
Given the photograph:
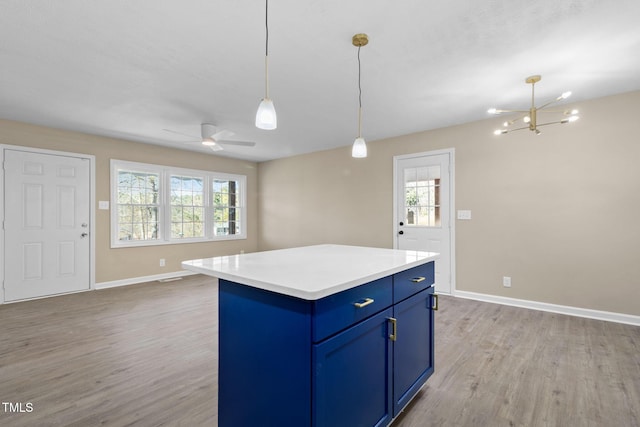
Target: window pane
226 202
187 197
422 195
124 232
137 205
176 230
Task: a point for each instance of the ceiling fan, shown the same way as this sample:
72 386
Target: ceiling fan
213 137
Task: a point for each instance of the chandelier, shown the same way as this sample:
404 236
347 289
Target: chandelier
530 117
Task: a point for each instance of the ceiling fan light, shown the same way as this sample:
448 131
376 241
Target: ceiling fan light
208 142
266 116
526 119
493 111
500 131
359 149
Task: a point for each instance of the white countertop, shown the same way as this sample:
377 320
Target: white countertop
310 272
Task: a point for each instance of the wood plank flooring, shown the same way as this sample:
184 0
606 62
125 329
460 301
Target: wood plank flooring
146 355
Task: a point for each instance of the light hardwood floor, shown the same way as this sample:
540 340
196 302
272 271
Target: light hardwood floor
146 355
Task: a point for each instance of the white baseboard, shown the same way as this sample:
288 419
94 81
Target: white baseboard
554 308
143 279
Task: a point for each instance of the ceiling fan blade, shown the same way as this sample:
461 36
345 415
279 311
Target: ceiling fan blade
240 143
183 134
222 134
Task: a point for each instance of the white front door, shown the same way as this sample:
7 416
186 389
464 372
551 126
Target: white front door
46 228
423 207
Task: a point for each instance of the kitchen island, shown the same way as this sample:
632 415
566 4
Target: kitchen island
325 335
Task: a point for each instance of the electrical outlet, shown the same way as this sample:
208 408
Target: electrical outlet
506 282
162 262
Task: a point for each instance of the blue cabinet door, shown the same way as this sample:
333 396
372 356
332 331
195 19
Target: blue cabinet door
413 350
352 376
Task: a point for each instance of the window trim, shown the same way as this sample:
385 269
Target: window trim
164 201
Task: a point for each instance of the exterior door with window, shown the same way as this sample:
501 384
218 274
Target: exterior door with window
423 210
47 213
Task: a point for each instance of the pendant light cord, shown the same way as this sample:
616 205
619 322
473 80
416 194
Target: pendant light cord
266 26
359 97
266 50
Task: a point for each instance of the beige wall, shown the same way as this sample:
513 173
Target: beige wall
128 263
556 212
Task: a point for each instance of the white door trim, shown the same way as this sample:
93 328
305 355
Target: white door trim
92 213
452 223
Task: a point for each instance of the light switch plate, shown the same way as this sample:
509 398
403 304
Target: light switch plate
464 214
103 204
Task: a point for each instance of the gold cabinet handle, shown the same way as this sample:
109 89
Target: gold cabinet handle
365 303
394 327
435 307
418 279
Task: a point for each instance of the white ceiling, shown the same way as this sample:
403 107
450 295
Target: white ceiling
129 69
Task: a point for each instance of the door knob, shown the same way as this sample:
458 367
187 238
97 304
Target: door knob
401 223
83 235
400 232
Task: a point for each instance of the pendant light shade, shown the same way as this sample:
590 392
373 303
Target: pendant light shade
266 115
359 149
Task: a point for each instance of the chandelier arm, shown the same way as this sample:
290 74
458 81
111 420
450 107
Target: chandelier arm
548 103
551 111
551 123
513 130
511 111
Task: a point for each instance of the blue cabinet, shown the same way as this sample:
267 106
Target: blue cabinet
352 380
355 358
413 349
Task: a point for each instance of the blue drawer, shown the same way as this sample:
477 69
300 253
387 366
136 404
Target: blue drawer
412 281
339 311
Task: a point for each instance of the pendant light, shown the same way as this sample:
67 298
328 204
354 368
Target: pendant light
266 116
359 149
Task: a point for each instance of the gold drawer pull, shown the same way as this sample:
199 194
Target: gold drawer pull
418 279
435 307
366 302
394 328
